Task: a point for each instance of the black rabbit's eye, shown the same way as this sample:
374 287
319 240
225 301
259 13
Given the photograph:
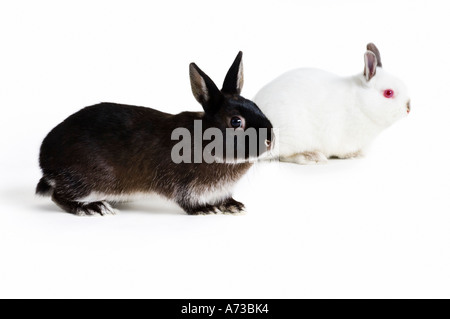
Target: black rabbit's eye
236 122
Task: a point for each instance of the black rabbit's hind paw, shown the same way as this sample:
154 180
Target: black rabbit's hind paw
96 209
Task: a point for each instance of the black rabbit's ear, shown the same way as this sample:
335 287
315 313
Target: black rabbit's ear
203 88
373 48
234 81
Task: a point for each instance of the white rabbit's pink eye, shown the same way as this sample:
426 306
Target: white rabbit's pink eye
388 94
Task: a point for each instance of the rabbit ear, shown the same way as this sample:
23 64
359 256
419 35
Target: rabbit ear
372 47
370 68
203 88
234 81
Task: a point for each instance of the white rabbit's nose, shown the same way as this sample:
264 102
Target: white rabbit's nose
408 106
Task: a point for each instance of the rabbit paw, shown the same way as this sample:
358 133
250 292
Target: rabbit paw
306 158
228 206
101 208
231 206
201 210
357 154
95 209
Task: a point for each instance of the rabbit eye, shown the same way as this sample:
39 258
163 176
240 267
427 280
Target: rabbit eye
237 122
388 94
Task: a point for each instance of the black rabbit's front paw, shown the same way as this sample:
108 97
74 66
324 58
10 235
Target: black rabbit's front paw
231 206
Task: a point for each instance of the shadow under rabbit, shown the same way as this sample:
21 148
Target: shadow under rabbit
24 198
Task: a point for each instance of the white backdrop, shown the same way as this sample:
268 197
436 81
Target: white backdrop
374 227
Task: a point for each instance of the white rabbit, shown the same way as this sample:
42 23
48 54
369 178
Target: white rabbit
321 115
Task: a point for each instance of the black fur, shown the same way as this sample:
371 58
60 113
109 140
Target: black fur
120 149
231 84
43 187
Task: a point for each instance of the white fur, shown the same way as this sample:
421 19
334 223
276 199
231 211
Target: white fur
117 198
212 195
316 111
108 210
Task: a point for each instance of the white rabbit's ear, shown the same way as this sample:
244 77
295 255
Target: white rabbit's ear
372 47
370 69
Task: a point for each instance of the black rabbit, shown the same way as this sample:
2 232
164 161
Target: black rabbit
112 152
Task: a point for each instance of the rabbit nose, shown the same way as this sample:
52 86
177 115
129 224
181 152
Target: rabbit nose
408 106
